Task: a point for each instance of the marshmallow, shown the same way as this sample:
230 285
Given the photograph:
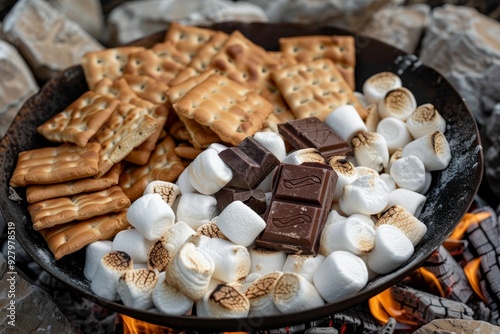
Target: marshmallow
218 147
93 254
398 154
110 269
399 103
409 173
232 262
208 173
167 190
267 184
190 271
372 118
294 293
133 243
168 299
341 275
412 201
392 249
304 265
139 265
184 184
389 180
395 132
273 142
370 150
260 295
433 149
210 230
135 288
427 184
240 224
353 234
399 217
367 195
376 87
151 216
300 156
346 122
333 217
266 260
361 98
225 301
363 170
425 120
196 209
346 173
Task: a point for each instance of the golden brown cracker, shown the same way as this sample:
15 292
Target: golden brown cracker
118 89
187 39
187 152
147 88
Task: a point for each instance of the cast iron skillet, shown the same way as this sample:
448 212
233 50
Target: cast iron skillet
449 198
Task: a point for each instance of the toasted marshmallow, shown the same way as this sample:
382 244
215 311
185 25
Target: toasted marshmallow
273 142
376 87
392 249
260 295
210 230
398 154
409 173
170 300
433 149
110 269
133 243
399 217
399 103
389 180
353 234
370 150
190 271
300 156
240 224
196 209
395 132
346 173
151 216
93 254
412 201
372 119
346 122
363 170
226 301
135 288
304 265
340 276
425 120
184 183
266 260
294 293
232 262
167 190
208 173
366 195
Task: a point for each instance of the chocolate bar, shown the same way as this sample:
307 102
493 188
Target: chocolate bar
310 132
301 200
254 198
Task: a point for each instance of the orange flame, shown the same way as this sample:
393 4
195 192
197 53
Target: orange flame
134 326
471 270
467 220
431 280
383 306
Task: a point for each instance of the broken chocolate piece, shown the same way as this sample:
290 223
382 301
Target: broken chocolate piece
254 198
310 132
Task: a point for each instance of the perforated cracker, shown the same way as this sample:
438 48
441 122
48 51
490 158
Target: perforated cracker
118 89
187 39
147 88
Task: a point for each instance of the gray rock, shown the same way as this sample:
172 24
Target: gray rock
450 326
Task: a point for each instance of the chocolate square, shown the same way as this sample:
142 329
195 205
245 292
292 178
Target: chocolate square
253 198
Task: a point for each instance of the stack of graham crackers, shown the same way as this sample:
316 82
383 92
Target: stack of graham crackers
149 111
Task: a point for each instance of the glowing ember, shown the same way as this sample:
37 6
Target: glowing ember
467 220
471 270
134 326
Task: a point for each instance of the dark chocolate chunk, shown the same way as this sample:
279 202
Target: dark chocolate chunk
310 132
253 198
250 162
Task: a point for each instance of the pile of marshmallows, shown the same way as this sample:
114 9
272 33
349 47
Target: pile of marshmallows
183 254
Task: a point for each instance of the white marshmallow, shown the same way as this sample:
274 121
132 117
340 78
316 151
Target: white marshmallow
140 265
151 216
398 154
346 122
427 184
392 249
304 265
208 173
184 183
93 254
133 243
389 180
226 301
370 150
232 262
170 300
110 269
167 190
266 260
346 173
395 133
376 86
240 224
267 184
399 102
340 276
433 149
353 234
260 295
361 98
269 196
409 173
196 209
190 271
294 293
412 201
399 217
298 157
363 170
372 119
218 147
367 195
135 288
333 217
273 142
424 120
